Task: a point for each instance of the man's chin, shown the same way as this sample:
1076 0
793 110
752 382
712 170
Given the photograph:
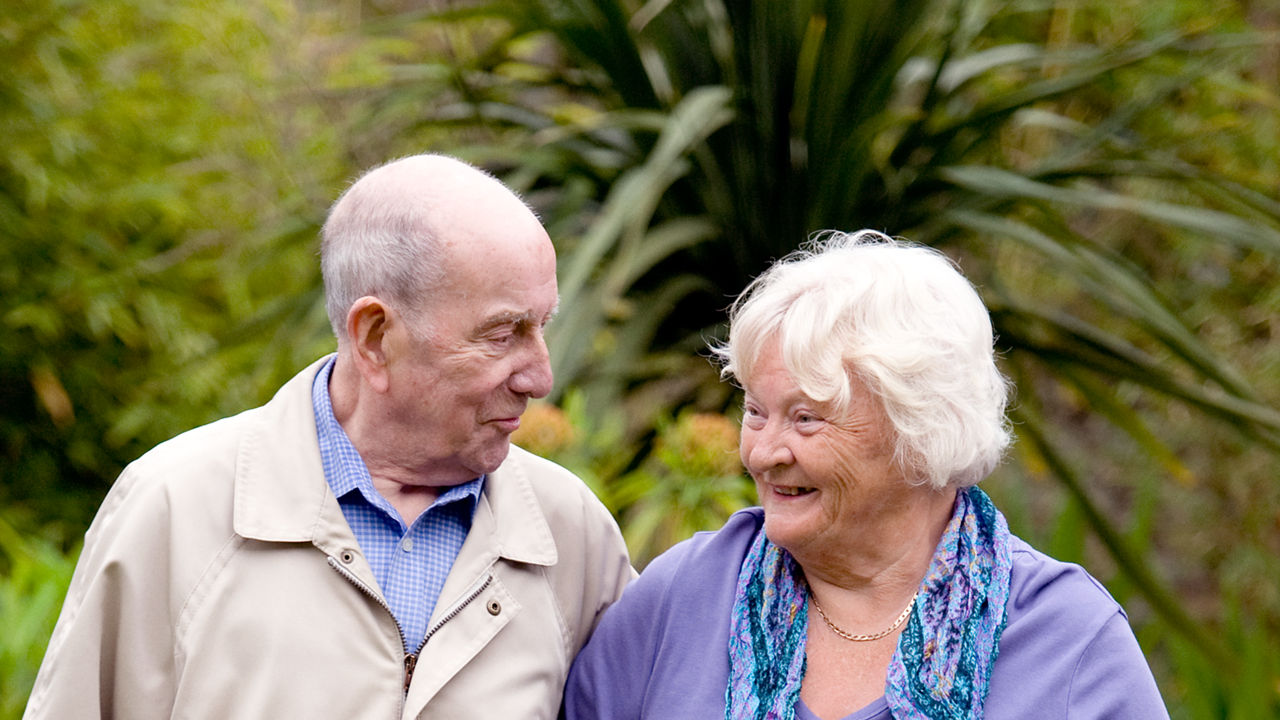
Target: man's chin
493 456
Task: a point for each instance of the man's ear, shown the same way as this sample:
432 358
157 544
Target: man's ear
368 321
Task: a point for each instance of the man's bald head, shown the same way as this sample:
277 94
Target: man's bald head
395 232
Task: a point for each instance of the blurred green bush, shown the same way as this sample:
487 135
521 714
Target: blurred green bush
1104 170
34 575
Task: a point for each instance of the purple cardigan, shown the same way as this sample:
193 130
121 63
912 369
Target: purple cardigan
661 652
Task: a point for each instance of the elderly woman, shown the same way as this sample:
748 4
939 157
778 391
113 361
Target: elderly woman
876 580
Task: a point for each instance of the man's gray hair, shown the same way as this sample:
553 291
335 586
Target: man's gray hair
381 238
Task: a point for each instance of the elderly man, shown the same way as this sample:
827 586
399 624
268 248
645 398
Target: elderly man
367 544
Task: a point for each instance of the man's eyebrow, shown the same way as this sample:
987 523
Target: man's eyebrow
509 318
506 318
516 318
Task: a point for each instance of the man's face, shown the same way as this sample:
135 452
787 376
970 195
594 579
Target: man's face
458 388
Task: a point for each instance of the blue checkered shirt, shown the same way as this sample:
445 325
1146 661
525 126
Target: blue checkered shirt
410 562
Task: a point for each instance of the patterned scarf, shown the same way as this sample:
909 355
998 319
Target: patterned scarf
944 657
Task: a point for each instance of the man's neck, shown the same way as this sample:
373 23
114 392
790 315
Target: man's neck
408 500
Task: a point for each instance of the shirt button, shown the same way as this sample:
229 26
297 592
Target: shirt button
407 545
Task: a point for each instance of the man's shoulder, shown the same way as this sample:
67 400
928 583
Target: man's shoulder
212 450
181 480
543 498
554 487
206 451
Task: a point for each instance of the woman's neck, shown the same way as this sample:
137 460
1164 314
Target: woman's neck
882 566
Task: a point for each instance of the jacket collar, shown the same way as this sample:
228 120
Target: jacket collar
281 494
510 513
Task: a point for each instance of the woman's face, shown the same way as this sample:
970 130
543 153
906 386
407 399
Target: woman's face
827 481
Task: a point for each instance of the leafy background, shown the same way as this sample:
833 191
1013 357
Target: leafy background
1104 172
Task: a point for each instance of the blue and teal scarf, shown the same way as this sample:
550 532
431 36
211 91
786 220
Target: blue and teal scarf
945 653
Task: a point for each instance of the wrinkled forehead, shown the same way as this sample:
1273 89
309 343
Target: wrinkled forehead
496 285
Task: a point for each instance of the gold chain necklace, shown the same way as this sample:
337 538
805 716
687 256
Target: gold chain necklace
869 637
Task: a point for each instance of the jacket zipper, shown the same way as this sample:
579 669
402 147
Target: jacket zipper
457 607
410 659
410 662
471 595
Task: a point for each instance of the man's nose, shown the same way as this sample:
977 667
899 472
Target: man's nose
533 377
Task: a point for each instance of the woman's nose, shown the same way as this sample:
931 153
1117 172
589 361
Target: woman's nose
764 449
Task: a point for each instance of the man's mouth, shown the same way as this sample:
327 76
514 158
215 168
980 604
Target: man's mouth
508 424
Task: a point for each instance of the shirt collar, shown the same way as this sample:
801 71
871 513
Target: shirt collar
344 469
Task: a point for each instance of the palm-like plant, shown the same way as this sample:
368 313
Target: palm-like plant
721 133
727 132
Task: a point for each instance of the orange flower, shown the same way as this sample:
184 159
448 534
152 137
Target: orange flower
703 444
544 430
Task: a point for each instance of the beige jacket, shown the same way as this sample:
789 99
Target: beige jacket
220 580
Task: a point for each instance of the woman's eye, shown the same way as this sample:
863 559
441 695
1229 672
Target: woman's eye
751 417
807 421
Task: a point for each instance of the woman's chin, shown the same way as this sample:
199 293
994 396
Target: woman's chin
789 525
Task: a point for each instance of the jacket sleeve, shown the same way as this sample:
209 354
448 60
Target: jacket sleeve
111 653
607 565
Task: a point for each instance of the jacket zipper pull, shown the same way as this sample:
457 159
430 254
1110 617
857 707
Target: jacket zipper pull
410 662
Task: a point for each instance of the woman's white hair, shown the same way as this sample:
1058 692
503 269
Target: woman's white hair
900 318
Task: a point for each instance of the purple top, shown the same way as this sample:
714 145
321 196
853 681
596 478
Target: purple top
662 650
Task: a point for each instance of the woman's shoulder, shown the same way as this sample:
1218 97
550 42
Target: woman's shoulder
1043 585
734 537
1055 612
1067 649
663 644
707 559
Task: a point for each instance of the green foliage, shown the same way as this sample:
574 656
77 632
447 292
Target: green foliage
158 196
34 575
1245 691
899 116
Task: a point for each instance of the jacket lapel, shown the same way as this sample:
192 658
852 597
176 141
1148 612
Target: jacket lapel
280 493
